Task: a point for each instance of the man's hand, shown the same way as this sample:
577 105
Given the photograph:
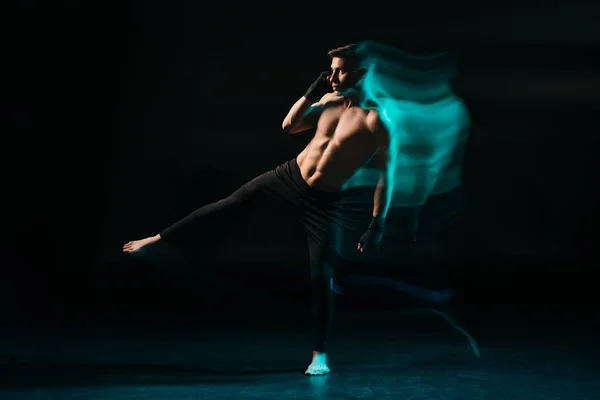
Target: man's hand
371 239
319 87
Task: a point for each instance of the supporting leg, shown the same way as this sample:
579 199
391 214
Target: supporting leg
321 268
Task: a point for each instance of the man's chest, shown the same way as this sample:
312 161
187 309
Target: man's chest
344 125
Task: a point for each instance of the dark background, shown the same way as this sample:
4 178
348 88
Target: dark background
119 118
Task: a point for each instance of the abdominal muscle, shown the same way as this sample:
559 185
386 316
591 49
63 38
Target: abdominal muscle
326 164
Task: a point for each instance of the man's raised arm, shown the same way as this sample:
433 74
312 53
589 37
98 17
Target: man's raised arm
304 114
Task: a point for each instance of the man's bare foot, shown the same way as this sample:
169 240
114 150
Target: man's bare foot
318 366
137 245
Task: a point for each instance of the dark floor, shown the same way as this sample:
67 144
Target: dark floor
143 333
404 354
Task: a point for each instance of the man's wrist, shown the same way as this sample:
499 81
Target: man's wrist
312 94
377 222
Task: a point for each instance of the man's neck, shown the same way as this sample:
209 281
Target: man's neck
353 98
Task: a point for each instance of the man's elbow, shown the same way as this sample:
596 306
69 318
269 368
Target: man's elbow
287 126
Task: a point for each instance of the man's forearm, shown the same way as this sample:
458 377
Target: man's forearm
295 117
383 196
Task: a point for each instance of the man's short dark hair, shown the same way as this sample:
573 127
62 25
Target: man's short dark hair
353 54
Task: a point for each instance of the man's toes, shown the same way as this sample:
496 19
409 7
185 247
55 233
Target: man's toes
317 370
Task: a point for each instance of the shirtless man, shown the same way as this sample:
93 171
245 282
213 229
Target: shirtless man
347 135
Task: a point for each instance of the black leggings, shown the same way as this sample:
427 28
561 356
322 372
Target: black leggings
283 186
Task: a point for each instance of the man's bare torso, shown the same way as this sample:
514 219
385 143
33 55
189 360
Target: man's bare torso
344 140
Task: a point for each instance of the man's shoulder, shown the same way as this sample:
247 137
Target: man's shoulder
371 110
370 105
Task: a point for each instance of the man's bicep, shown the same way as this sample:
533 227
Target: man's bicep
311 118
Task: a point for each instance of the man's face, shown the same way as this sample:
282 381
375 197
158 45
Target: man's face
341 78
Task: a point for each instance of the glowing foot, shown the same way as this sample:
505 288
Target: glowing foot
318 366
